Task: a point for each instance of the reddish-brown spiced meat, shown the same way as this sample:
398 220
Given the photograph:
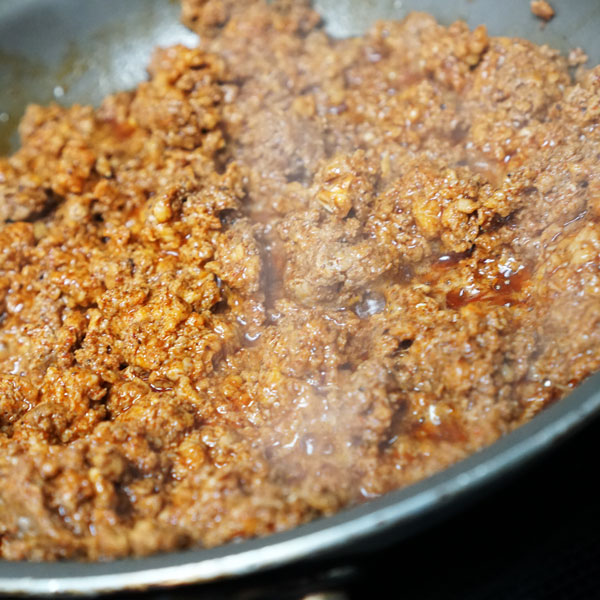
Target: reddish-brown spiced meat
285 275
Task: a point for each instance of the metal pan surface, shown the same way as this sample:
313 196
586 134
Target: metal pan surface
81 50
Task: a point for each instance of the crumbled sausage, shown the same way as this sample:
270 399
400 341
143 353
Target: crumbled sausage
542 9
286 274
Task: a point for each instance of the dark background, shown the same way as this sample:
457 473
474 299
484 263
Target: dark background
535 537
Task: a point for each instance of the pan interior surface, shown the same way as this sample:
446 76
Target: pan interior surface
78 51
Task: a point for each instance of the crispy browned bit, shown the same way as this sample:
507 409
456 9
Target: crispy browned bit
287 274
542 9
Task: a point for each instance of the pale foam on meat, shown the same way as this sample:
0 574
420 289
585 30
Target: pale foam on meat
285 275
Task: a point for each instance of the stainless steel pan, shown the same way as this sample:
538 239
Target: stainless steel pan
81 50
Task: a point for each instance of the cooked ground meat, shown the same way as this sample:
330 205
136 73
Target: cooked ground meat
285 275
542 9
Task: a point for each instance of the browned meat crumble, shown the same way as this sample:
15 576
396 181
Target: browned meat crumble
542 9
285 275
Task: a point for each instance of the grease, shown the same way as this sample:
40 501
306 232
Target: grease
506 289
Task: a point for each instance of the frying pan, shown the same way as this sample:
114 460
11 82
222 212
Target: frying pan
81 50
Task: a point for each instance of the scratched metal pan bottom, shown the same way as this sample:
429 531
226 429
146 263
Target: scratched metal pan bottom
81 50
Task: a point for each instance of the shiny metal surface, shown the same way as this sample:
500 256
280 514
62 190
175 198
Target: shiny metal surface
80 50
